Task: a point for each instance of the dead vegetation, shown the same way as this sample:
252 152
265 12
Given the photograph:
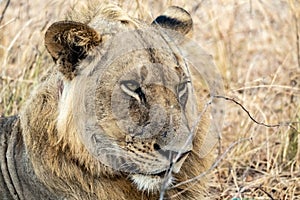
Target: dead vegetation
255 44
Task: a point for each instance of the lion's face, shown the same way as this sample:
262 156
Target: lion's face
135 113
152 118
129 98
148 109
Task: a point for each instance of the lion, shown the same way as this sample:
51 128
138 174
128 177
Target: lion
116 118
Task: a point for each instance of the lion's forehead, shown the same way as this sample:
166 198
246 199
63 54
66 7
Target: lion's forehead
132 49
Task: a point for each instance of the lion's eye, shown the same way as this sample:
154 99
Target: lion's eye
182 92
133 89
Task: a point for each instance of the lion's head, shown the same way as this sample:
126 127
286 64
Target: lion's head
126 105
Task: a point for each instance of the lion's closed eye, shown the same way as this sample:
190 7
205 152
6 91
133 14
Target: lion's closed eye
133 89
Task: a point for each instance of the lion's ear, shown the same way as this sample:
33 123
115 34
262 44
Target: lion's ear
175 18
69 42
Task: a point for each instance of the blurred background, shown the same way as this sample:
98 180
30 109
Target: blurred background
255 45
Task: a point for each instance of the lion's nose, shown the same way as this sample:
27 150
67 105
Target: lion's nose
176 158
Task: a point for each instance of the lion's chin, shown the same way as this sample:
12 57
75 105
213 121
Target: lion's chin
150 183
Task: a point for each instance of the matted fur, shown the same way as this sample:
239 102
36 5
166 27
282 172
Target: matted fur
60 161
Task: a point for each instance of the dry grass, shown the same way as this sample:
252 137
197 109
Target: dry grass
255 44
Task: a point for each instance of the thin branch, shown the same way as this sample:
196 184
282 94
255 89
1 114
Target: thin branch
268 194
248 113
4 11
289 124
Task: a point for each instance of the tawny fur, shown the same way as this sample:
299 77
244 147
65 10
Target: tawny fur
60 160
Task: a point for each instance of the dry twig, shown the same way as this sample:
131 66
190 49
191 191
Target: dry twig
4 10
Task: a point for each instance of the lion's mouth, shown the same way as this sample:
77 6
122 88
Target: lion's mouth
174 167
161 174
153 181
